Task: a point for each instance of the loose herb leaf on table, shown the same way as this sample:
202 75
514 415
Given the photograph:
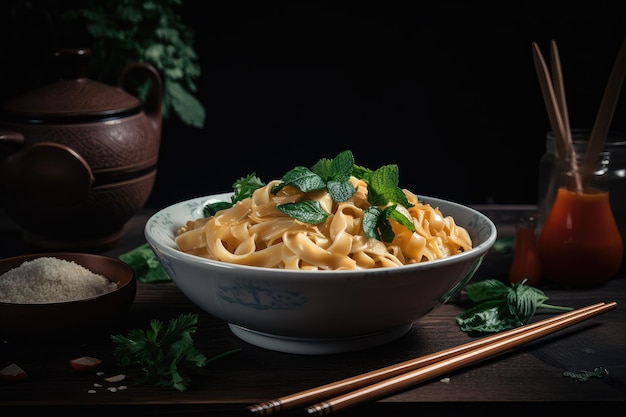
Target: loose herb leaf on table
164 357
145 264
499 307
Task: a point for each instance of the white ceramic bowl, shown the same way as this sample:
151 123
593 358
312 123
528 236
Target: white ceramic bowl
317 312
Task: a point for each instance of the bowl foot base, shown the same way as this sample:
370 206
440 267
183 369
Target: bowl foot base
317 346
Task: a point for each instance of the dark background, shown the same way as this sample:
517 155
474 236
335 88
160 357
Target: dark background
445 89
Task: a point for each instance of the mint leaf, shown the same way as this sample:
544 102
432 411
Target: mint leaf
370 222
340 190
334 175
362 173
383 187
322 168
391 212
341 167
307 211
302 178
384 227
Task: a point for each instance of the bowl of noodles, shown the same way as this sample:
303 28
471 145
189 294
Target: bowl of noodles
327 259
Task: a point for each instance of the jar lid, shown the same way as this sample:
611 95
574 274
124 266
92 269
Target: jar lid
72 98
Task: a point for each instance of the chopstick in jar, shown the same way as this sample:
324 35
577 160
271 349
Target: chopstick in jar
554 98
604 117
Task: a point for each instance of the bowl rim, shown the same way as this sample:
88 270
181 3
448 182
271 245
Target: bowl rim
201 201
121 284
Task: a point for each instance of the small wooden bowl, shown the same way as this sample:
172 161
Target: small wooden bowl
72 317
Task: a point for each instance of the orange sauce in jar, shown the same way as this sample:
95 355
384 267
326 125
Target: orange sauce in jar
580 243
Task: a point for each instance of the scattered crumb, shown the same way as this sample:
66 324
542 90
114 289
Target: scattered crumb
115 378
111 379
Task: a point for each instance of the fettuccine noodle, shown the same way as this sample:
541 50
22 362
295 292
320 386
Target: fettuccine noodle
253 232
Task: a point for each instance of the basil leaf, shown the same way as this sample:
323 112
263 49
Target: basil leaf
488 289
500 307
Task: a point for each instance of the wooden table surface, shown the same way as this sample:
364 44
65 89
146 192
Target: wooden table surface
525 379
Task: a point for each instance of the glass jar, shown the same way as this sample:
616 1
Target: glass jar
579 243
612 166
526 263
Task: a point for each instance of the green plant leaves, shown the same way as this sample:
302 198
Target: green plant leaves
125 31
500 307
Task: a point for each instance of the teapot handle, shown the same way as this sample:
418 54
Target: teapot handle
48 172
11 137
10 142
154 100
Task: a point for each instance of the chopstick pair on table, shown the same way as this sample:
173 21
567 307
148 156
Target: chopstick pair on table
333 397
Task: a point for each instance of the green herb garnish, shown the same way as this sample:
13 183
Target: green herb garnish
145 264
583 376
306 211
243 188
163 357
384 194
500 307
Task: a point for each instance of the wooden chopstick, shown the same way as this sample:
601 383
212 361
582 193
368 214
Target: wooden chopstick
549 98
559 91
422 374
556 105
365 386
605 115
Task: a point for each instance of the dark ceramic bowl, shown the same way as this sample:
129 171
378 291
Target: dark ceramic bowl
78 317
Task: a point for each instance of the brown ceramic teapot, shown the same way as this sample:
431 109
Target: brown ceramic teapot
78 158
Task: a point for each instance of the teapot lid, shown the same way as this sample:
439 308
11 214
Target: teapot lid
71 97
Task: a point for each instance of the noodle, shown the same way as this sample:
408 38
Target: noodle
253 232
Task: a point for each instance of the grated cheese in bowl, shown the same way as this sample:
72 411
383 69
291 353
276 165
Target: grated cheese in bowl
51 280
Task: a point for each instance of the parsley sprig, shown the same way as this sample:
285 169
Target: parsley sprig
384 193
500 307
243 188
163 357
